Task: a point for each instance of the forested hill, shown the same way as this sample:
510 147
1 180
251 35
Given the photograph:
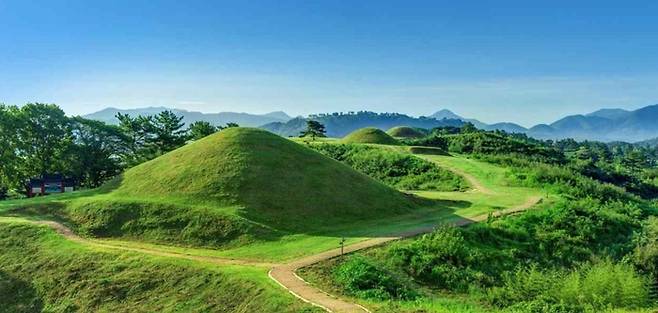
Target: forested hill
341 124
108 115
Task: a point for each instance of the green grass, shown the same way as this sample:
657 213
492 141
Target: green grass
45 272
405 132
370 135
192 225
232 188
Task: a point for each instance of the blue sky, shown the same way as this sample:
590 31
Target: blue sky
518 61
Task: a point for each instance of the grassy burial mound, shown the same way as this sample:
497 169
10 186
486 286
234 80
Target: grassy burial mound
238 180
370 135
405 132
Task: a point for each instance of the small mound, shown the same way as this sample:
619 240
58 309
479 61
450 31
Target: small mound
405 132
370 135
264 178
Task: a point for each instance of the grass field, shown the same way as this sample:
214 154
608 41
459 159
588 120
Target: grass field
109 212
285 246
46 272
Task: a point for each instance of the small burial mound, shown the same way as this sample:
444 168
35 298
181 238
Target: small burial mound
370 135
405 132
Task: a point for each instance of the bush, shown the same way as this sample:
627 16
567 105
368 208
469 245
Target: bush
360 277
596 287
395 169
443 259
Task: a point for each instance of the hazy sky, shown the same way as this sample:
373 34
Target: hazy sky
514 61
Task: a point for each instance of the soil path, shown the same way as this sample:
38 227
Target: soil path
70 235
285 274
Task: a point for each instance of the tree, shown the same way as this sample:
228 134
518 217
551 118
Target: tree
200 129
9 159
231 125
44 138
468 128
314 129
97 151
168 131
138 133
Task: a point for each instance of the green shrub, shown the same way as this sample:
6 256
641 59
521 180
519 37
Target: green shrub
444 259
596 287
398 170
360 277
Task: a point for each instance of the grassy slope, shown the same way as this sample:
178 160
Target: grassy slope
46 272
235 167
405 132
494 178
287 246
370 135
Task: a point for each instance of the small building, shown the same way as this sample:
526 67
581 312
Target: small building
49 184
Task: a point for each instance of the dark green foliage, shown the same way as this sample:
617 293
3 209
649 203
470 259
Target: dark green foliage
96 150
18 296
444 259
313 129
395 169
591 287
360 277
201 129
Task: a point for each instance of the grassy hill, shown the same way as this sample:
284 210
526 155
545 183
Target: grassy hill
405 132
370 135
230 188
48 273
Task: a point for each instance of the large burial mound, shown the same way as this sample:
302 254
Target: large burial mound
370 135
267 178
405 132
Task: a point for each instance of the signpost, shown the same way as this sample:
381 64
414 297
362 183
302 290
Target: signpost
342 246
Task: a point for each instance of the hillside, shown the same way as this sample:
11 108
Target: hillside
405 132
370 135
341 124
228 172
242 119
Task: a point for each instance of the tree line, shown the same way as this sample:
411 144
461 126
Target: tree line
37 139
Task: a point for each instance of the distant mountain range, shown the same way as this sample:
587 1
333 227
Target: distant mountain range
341 124
243 119
603 125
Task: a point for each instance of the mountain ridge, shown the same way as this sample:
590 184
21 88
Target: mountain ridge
108 115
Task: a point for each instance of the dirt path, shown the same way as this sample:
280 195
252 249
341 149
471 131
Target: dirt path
70 235
285 274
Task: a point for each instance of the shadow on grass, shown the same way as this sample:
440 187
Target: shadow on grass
18 296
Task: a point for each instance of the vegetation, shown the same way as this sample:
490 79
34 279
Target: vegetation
339 124
594 244
175 198
314 129
406 132
396 169
46 273
40 139
370 135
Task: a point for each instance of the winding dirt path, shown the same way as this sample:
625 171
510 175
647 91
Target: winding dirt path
285 274
70 235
